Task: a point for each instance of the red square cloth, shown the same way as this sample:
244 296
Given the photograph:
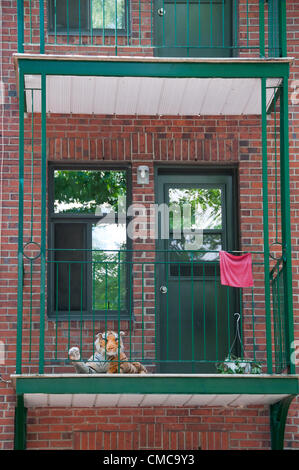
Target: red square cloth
236 271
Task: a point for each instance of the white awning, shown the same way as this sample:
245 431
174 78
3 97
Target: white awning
149 95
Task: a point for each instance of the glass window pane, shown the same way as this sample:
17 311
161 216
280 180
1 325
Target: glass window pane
109 266
88 191
70 267
200 208
64 15
107 13
209 250
209 253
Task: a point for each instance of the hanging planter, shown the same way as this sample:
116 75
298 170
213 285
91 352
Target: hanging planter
238 365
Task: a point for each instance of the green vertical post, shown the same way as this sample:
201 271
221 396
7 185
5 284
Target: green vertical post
20 7
41 27
79 19
115 34
262 27
142 310
91 23
192 309
286 219
21 222
282 16
55 21
20 424
118 308
266 227
43 223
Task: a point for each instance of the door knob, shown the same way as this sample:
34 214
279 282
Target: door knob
163 290
161 11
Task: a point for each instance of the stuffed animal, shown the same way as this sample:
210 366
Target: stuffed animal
109 357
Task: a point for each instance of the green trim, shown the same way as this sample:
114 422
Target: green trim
41 26
267 69
158 384
43 223
266 228
20 7
278 417
286 220
282 18
20 227
20 424
262 27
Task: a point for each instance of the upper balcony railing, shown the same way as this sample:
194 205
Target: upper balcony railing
163 28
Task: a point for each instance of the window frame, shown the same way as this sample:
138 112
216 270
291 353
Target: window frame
88 220
104 32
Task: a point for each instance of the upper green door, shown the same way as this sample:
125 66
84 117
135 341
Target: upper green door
193 28
195 312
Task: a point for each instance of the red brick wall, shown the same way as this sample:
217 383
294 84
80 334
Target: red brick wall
149 428
187 140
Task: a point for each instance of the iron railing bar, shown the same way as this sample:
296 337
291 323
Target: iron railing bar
69 306
57 305
55 22
118 308
152 251
228 321
204 310
216 315
192 308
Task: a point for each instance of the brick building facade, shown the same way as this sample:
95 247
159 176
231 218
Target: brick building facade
201 143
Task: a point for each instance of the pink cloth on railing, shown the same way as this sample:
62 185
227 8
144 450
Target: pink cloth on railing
236 271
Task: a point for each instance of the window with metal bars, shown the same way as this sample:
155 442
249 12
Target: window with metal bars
84 16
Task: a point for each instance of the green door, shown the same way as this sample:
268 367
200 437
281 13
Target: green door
193 28
196 325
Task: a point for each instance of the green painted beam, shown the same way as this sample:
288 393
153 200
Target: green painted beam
266 69
20 424
157 384
278 418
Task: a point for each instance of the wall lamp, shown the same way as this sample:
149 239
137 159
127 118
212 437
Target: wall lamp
143 174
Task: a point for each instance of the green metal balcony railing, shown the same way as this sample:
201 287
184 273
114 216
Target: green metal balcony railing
168 28
176 315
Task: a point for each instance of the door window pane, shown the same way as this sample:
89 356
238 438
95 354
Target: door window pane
200 208
184 262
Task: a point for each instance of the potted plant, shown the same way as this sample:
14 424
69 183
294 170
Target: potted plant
237 365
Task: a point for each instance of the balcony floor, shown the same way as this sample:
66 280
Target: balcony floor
71 390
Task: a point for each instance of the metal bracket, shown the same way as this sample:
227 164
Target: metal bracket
20 424
278 417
